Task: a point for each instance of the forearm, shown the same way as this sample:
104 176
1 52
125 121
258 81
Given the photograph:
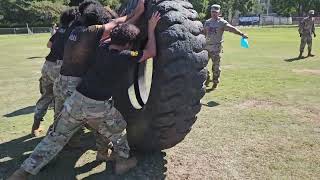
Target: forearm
108 27
120 20
314 30
205 32
237 31
152 42
136 14
301 25
49 44
234 30
151 47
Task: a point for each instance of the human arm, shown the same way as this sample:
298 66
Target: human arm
314 30
50 42
151 48
131 18
205 29
235 30
301 24
136 14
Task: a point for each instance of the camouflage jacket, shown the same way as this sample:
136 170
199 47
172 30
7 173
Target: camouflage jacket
306 26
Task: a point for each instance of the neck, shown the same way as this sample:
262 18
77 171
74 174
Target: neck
117 47
215 18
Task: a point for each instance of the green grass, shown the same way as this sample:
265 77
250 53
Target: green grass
263 121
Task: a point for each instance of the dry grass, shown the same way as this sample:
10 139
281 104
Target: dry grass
262 122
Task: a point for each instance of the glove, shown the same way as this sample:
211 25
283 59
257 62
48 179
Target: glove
315 35
300 34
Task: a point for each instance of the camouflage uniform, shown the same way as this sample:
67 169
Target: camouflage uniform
79 110
78 57
50 72
63 88
306 29
215 30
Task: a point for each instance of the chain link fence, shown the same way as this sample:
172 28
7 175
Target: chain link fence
273 21
25 30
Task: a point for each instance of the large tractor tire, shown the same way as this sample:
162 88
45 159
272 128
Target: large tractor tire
179 72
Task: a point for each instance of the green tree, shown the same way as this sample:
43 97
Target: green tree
229 7
14 12
45 12
112 3
294 7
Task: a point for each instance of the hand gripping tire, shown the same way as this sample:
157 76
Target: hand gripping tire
179 72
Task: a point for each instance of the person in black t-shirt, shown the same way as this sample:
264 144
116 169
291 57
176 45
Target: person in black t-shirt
80 51
94 107
81 46
51 68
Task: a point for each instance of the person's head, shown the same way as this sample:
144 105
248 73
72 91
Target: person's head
86 3
311 13
124 35
68 16
215 11
94 14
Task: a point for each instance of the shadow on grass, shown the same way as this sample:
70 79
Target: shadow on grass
150 166
13 153
295 59
35 57
23 111
211 104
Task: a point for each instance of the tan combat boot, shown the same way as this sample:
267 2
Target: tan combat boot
123 165
310 54
105 155
36 129
19 174
214 86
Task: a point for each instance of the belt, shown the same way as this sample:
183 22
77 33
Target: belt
69 78
93 101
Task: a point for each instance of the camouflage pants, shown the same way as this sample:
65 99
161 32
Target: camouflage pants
214 52
306 39
50 71
63 88
79 110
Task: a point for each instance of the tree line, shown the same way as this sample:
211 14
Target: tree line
15 13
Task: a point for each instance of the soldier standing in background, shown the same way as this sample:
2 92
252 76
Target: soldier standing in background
306 30
51 69
214 29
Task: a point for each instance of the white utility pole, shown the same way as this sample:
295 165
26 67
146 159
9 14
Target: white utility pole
268 6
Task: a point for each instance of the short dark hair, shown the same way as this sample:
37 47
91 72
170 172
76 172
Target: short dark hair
95 14
123 34
86 3
68 16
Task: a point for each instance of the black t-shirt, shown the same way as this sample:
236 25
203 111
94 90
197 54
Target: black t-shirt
80 50
57 40
109 73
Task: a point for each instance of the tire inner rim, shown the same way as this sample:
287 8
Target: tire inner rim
139 91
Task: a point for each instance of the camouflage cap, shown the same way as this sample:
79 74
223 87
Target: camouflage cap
311 12
215 8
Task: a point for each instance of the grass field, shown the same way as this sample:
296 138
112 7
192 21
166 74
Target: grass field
263 122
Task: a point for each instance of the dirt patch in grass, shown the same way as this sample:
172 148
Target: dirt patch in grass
311 113
307 71
260 104
305 111
228 66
